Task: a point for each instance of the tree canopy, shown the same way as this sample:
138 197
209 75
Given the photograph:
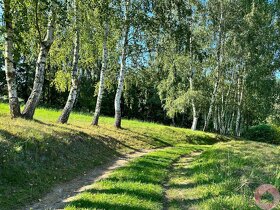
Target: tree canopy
209 65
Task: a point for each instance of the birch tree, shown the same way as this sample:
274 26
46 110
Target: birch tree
191 86
72 97
126 26
219 63
45 45
9 61
102 76
240 92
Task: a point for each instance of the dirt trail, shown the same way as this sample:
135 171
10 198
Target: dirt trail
65 192
187 159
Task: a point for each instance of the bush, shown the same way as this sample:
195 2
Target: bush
264 133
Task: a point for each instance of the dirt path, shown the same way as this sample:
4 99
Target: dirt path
63 193
187 159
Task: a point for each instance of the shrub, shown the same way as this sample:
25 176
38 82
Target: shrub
264 133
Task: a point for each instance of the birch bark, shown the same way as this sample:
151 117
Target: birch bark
122 69
102 77
219 61
9 65
194 110
241 82
72 97
45 46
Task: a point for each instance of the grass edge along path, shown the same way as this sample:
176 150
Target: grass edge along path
137 186
66 191
36 155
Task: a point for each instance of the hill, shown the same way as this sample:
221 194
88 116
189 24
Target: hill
36 155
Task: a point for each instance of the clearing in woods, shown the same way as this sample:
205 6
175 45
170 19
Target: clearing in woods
40 158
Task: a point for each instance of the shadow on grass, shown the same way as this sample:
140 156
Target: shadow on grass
30 164
223 176
153 196
84 203
187 203
138 185
154 139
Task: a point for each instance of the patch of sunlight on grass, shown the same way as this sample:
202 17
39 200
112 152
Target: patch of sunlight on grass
113 201
139 185
227 202
224 177
37 154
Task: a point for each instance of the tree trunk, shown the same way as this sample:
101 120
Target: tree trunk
45 46
215 120
194 123
213 98
230 123
237 124
219 61
195 112
240 87
102 77
72 97
9 65
122 70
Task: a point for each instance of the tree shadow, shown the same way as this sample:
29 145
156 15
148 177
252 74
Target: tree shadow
147 139
141 180
84 203
221 173
30 166
153 196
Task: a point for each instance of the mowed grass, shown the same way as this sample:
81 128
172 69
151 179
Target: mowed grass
36 155
224 177
137 186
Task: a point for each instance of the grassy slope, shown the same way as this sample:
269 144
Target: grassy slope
36 155
225 176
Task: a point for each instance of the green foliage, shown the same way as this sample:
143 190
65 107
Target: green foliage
234 44
62 81
264 133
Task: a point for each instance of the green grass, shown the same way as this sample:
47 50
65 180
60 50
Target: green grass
36 155
138 186
224 177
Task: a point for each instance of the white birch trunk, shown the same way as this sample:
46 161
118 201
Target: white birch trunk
240 86
219 61
194 110
122 69
72 97
212 101
231 123
9 65
102 77
215 120
194 123
45 46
